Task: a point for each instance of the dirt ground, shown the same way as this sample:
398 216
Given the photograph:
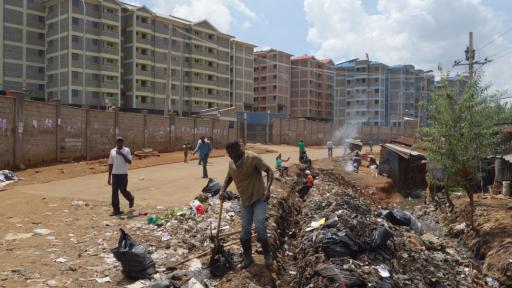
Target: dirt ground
75 169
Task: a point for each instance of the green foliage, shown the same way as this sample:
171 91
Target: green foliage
463 127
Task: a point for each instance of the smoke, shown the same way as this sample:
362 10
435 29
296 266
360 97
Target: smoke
347 132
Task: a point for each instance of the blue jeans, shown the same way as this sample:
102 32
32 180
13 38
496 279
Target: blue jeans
256 212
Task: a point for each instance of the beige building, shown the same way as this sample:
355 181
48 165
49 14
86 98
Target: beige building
272 75
312 88
360 93
242 75
117 54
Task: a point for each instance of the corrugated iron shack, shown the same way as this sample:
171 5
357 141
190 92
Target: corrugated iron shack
406 167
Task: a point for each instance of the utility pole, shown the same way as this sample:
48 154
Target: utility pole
470 58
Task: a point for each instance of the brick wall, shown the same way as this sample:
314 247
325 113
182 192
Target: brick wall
7 128
203 128
158 133
39 133
101 136
130 126
184 132
72 133
220 134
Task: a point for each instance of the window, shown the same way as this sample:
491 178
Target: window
376 90
348 82
376 101
143 99
75 21
95 42
75 56
108 61
108 44
108 78
76 3
40 87
210 36
40 70
74 75
108 10
40 19
376 113
95 77
40 36
75 93
40 53
274 76
348 103
95 25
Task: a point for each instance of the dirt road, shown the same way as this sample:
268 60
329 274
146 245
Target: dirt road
171 185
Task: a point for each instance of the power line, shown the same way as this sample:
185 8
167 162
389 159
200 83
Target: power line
494 39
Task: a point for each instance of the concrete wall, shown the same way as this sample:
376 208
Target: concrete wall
158 134
381 134
101 133
290 131
130 126
39 133
7 131
72 133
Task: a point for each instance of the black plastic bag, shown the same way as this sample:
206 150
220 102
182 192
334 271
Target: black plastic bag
212 187
332 273
134 258
379 237
228 196
397 217
340 244
401 218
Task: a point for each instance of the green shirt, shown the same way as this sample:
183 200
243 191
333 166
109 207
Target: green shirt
302 147
248 178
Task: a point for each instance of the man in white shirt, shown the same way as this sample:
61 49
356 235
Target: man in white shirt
330 146
118 162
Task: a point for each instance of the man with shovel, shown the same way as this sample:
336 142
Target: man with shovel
245 169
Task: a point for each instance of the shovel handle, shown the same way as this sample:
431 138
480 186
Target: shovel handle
218 221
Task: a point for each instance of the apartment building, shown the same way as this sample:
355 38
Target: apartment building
22 46
242 75
83 52
312 88
360 93
102 53
272 81
373 93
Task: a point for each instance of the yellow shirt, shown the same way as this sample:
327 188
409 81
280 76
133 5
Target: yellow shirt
247 177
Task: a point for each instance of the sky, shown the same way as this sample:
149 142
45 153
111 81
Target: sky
426 33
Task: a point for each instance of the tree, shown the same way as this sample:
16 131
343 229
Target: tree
462 131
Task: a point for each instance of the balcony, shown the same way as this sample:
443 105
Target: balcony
147 89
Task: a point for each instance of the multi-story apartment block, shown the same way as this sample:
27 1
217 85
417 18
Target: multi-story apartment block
272 80
109 53
22 46
312 88
372 93
242 75
83 52
360 92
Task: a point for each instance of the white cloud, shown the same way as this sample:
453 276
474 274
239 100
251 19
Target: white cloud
422 32
221 13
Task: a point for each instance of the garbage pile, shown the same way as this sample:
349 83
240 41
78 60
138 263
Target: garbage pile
7 177
345 241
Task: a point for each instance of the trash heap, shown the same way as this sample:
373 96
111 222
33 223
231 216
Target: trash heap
344 239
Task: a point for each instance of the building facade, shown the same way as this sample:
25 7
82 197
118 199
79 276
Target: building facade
312 88
360 92
23 46
102 53
272 81
242 75
373 93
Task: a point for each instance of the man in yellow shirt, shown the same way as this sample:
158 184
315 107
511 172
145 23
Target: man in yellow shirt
245 169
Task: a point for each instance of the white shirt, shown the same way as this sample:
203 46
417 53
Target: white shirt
120 165
329 144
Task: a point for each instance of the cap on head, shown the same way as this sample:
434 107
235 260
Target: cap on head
307 172
119 138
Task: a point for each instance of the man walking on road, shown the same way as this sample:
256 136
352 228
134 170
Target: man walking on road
118 161
204 147
329 148
245 169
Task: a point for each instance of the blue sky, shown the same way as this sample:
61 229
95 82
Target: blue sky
426 33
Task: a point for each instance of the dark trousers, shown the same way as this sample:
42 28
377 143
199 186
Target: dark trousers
185 153
329 152
303 191
120 183
205 163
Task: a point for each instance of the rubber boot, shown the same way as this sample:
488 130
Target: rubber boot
266 252
247 248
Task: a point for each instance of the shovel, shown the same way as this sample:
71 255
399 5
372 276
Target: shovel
220 261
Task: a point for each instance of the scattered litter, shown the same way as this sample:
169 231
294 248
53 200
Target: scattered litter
316 224
41 231
17 236
52 283
61 260
212 188
78 203
103 280
383 270
166 237
193 283
194 264
401 218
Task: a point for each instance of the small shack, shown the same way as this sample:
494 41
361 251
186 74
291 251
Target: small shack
406 167
354 145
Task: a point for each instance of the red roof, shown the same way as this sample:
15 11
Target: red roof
404 140
327 61
303 57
